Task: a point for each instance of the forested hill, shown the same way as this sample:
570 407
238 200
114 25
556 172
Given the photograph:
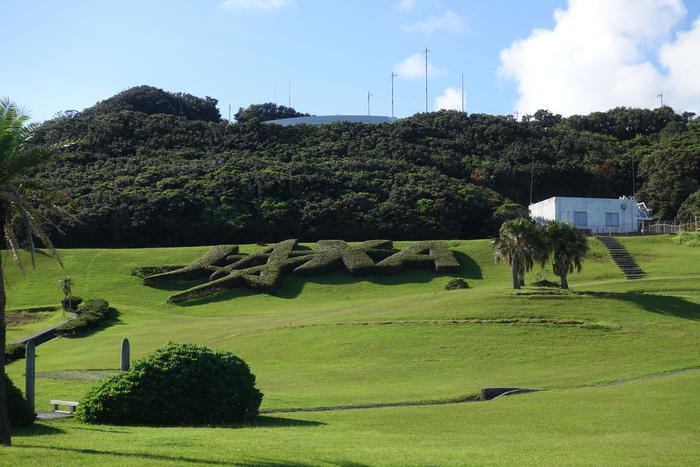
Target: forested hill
150 168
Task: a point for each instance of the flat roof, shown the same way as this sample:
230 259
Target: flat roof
321 119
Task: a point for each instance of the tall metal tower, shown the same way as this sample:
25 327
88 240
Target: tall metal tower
426 78
369 94
462 92
661 96
393 75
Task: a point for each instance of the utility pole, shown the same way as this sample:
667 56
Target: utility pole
532 175
634 184
393 75
369 94
426 79
229 113
462 92
289 94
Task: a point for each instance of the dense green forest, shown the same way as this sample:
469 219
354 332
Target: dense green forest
148 168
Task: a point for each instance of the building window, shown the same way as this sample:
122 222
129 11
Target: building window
612 219
581 219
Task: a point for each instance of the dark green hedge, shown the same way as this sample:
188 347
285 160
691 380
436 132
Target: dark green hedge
455 284
146 271
19 413
198 269
434 255
72 304
262 271
14 352
90 315
178 384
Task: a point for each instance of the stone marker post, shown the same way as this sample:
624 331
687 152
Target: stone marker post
29 372
126 357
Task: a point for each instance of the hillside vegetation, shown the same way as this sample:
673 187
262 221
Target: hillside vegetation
145 163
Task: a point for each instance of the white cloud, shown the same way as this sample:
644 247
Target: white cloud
451 99
414 67
449 22
595 58
256 4
406 5
682 59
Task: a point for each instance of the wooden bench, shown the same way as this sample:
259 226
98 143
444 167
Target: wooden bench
72 405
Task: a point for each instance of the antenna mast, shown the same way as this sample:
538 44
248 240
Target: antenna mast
462 92
393 75
289 94
661 96
369 94
426 78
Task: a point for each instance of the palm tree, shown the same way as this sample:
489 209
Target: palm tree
519 244
66 284
568 248
20 200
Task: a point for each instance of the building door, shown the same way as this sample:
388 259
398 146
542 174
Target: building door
581 219
612 221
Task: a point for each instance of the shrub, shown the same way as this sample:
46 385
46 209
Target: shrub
455 284
546 283
178 384
19 413
421 255
90 315
72 304
687 238
145 271
198 269
14 352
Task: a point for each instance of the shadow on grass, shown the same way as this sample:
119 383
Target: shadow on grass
38 429
181 459
662 304
275 422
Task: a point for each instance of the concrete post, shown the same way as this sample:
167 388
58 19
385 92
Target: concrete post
29 373
126 357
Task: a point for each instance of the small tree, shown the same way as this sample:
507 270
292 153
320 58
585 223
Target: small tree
19 199
567 246
66 285
519 244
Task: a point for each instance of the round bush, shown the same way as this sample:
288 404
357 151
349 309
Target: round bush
19 413
455 284
72 304
178 384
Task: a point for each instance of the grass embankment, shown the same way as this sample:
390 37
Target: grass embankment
337 339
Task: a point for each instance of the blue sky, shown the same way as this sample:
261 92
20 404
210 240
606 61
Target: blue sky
596 55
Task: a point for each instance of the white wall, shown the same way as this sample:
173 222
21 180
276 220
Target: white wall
565 209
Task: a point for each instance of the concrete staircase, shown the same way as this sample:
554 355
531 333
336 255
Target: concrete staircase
622 258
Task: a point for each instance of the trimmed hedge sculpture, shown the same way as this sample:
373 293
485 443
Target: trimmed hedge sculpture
225 269
178 384
19 413
90 315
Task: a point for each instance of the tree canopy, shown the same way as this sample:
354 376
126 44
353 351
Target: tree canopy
266 112
147 178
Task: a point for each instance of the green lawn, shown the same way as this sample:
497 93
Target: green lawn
652 422
337 339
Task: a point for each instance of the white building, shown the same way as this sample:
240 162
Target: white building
599 215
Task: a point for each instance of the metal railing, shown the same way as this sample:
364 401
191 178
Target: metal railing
664 227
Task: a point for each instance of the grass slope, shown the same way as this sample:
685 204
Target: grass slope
337 339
